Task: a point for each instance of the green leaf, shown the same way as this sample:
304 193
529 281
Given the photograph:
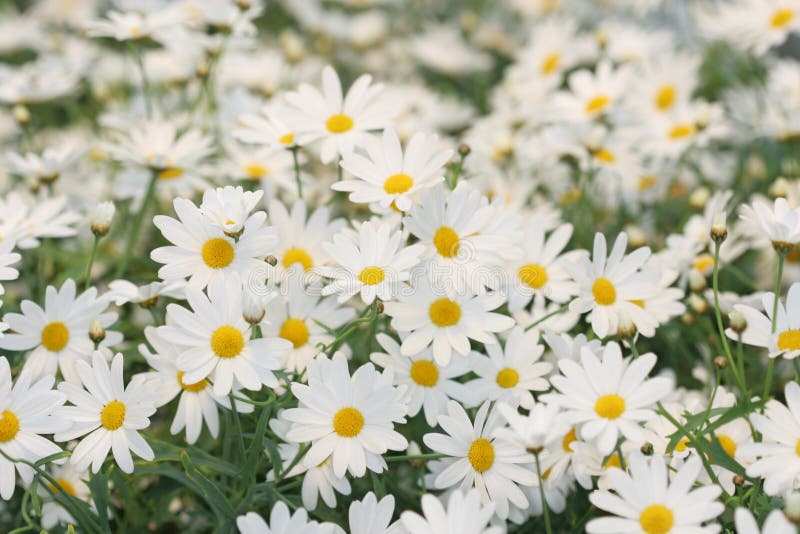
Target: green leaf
718 456
210 492
256 446
167 452
98 485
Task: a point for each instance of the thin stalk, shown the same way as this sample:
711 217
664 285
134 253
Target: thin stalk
777 296
133 236
539 321
297 180
545 508
92 256
718 314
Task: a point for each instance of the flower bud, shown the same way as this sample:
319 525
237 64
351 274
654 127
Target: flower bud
414 450
738 480
737 322
719 227
253 308
779 188
720 362
792 507
697 282
272 260
464 150
699 197
647 449
626 329
97 332
21 114
687 319
698 304
102 217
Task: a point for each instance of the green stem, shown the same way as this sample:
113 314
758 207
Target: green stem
775 300
545 508
297 180
634 350
718 314
92 256
539 321
618 448
137 55
413 457
133 236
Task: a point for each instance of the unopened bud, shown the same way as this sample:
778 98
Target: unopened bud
272 260
792 507
737 322
253 309
414 450
379 306
21 114
636 236
720 362
697 282
698 304
699 197
626 329
782 247
97 332
647 449
687 319
719 227
102 217
464 150
738 480
779 188
148 303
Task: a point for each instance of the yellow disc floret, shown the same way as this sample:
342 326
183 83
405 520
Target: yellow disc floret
444 312
348 422
227 341
656 519
604 292
398 183
55 336
339 123
217 253
113 415
481 455
446 241
294 330
610 406
533 275
424 373
507 378
9 426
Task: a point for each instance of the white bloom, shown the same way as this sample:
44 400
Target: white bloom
785 341
465 514
776 523
781 224
229 207
281 521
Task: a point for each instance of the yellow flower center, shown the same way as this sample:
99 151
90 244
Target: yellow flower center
646 182
638 302
680 131
286 139
703 262
255 171
789 340
604 292
444 312
193 388
507 378
550 63
781 18
533 275
597 104
446 241
65 484
613 461
797 448
297 255
55 336
113 415
339 123
665 97
656 519
170 173
9 426
371 275
481 454
728 445
217 253
398 183
295 330
568 440
609 406
605 155
227 341
682 445
348 422
424 373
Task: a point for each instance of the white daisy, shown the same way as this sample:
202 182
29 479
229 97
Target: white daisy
28 219
229 207
446 321
203 252
137 25
197 404
647 501
340 121
349 419
429 386
780 224
108 414
373 516
215 341
609 396
26 411
465 514
778 462
785 341
8 258
281 521
72 482
377 265
480 459
592 95
510 373
58 335
122 291
390 177
776 523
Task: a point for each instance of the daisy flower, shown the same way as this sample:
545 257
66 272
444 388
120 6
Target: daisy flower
44 168
373 516
480 459
785 341
271 168
537 430
776 523
608 396
428 385
389 176
27 409
445 321
215 341
28 219
58 335
229 207
758 25
610 286
457 232
281 521
108 414
318 480
203 252
72 482
781 224
540 270
301 235
349 419
136 25
778 461
464 514
268 128
647 501
197 404
340 121
592 95
376 265
305 319
8 258
510 373
122 291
